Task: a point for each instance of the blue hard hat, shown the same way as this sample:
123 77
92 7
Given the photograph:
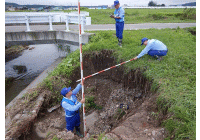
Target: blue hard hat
143 40
65 90
116 2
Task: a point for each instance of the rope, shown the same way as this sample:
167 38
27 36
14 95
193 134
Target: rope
105 70
81 63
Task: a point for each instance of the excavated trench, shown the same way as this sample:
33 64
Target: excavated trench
117 96
112 90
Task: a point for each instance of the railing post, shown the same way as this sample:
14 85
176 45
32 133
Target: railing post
50 23
67 23
27 23
82 24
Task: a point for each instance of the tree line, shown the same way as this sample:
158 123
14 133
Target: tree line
152 3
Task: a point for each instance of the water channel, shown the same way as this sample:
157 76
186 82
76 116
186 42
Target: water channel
32 63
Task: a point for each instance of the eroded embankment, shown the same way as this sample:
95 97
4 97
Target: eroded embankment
109 91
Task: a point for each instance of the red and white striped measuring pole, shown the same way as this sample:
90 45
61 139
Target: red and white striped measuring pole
81 63
106 70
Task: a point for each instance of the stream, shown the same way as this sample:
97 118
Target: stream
30 64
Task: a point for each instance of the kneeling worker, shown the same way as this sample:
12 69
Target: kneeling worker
71 107
154 48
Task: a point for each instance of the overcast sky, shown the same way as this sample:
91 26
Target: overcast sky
98 2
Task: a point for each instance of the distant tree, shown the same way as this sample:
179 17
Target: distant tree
151 3
24 8
83 8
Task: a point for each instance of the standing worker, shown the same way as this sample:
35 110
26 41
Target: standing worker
71 107
119 18
154 48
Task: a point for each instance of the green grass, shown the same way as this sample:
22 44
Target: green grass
176 74
133 16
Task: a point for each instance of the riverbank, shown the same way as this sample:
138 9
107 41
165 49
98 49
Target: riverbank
173 83
14 105
36 82
29 65
12 52
174 78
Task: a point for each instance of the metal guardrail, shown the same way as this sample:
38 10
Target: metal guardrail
74 19
28 18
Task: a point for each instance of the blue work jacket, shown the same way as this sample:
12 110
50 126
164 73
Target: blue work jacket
71 106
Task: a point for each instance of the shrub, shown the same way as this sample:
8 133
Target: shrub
83 8
189 13
157 16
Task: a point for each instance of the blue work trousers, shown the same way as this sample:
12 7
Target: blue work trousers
157 52
119 29
72 122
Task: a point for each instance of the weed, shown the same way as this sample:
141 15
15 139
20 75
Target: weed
90 104
48 84
155 115
48 134
30 96
34 94
63 48
55 138
157 16
189 13
119 114
101 136
92 89
192 30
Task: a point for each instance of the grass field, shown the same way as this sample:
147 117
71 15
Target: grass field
176 74
132 16
144 15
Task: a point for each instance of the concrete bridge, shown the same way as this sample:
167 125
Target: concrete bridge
44 37
40 34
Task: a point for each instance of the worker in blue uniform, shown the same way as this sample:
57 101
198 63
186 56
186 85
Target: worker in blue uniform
154 48
71 107
119 19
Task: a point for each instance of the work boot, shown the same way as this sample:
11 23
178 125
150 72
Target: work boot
120 42
159 58
78 131
79 134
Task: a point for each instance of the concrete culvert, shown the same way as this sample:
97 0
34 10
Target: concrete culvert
119 104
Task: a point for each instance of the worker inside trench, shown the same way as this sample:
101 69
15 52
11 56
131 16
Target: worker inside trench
111 97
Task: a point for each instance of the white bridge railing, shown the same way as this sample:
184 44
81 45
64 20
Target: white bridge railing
27 18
